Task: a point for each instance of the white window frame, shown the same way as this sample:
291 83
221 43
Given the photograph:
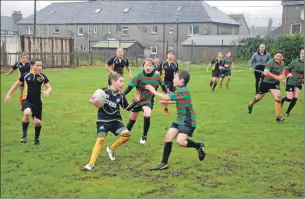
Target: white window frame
80 33
188 30
170 30
125 28
170 48
153 31
95 29
151 50
54 30
109 30
295 24
28 30
98 10
82 47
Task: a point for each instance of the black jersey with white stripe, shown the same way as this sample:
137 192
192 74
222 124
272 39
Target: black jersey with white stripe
118 64
111 109
33 86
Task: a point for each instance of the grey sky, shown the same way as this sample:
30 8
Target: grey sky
256 12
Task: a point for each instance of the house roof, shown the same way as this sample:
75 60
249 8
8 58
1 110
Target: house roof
212 40
292 3
277 32
239 18
260 31
136 12
116 44
7 24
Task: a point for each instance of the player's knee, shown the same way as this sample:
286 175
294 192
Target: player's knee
288 99
181 142
147 113
27 112
37 122
101 139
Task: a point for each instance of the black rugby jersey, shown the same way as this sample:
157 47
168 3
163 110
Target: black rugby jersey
118 64
167 70
22 68
217 62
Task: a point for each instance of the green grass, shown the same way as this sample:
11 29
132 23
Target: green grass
247 155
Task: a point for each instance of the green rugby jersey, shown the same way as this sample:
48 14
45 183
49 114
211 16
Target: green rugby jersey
185 112
296 67
140 80
227 61
275 69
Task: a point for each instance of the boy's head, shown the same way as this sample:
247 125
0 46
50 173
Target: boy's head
117 81
181 78
24 58
279 56
219 55
148 65
302 54
36 65
156 59
228 54
120 52
170 55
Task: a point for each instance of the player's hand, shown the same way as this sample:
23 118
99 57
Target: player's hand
220 67
130 75
95 102
7 99
289 75
137 96
46 93
280 77
150 88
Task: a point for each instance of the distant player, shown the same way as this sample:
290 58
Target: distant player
117 63
146 77
185 124
31 98
167 70
156 60
23 66
295 78
110 119
273 74
226 70
217 65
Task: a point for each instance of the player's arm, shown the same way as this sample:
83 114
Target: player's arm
129 69
252 60
168 102
12 69
288 69
268 74
162 96
162 84
108 66
159 69
47 86
133 83
12 90
128 106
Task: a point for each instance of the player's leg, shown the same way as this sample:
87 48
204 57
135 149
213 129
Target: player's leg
277 104
183 141
37 115
296 93
102 129
27 111
263 88
171 134
211 82
118 129
222 76
228 74
21 93
132 118
167 84
147 115
289 94
257 76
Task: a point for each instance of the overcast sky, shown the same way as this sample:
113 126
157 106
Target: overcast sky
256 12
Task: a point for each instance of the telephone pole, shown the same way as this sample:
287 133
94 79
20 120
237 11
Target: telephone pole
34 19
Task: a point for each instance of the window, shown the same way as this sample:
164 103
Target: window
56 30
126 10
109 30
170 30
82 47
154 30
95 29
98 10
80 31
52 11
28 30
295 28
179 8
45 30
193 30
125 31
170 48
153 50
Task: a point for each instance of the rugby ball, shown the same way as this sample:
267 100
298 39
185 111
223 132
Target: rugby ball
100 95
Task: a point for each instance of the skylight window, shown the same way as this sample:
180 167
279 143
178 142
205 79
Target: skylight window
52 11
179 8
126 10
98 10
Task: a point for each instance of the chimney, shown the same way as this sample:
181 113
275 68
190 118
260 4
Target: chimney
269 27
17 16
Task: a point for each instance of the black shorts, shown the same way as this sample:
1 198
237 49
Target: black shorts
35 107
290 88
115 127
169 85
225 73
139 108
215 73
188 130
265 87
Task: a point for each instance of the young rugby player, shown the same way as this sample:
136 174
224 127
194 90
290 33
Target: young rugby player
185 124
31 97
295 78
167 70
273 74
226 70
110 119
117 63
147 76
218 64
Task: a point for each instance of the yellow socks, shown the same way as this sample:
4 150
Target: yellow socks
97 149
278 108
121 140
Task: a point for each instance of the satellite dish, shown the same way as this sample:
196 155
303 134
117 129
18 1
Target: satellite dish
302 14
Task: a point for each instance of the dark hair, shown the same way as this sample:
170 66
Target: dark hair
148 59
156 56
115 76
170 51
185 75
34 60
281 52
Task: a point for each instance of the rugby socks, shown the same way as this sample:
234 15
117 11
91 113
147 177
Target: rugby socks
211 83
166 151
121 140
278 107
37 132
25 126
254 101
146 126
291 105
97 149
130 124
285 99
214 86
192 144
